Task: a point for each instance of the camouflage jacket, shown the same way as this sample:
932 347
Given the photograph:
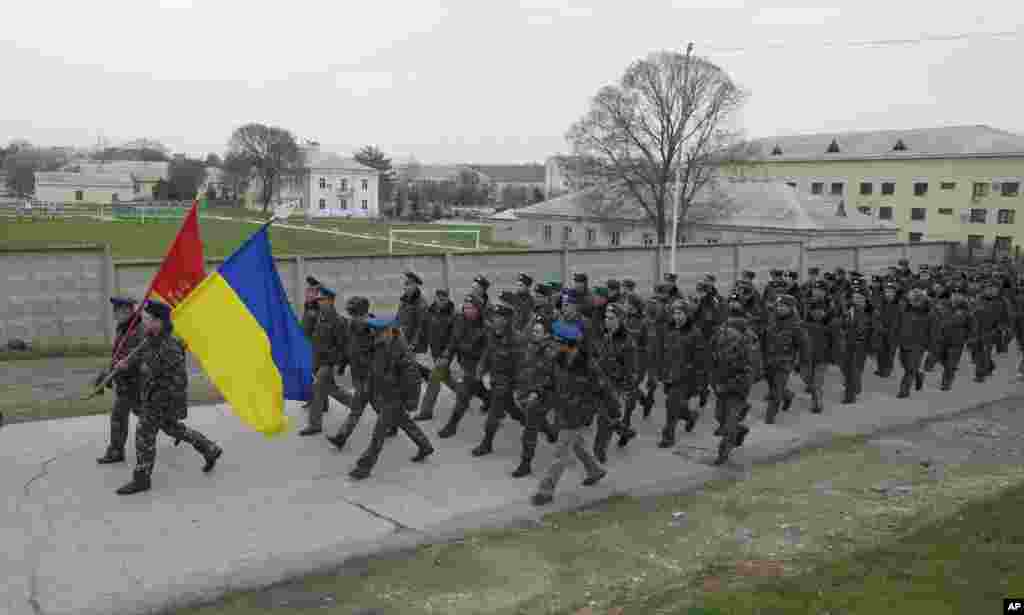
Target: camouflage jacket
468 341
538 367
161 362
394 375
127 380
731 368
412 319
578 389
617 355
503 357
685 355
784 343
359 348
330 332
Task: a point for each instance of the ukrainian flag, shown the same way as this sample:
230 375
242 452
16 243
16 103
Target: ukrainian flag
239 325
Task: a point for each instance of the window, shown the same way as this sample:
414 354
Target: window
866 188
615 238
342 202
916 237
1005 216
114 198
837 188
979 190
975 242
566 232
366 184
343 185
817 187
917 213
323 203
978 216
888 188
323 183
366 204
79 195
591 235
1010 188
547 233
136 188
865 209
920 188
948 185
1003 243
885 213
648 240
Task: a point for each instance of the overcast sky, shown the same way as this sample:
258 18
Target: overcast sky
485 81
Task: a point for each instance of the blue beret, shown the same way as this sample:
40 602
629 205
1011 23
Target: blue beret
326 292
566 332
122 302
569 295
382 323
158 310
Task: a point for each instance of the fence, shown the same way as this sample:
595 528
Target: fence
62 292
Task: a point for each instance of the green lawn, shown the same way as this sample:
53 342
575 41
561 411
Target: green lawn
952 546
220 238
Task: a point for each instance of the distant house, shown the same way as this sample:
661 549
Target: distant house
499 177
728 211
565 174
418 173
327 186
92 188
146 174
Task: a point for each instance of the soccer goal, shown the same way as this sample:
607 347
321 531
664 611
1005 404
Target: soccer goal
451 238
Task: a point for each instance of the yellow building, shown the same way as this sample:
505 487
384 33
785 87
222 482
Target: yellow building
958 183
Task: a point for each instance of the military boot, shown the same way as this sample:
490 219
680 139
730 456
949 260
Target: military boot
339 439
690 417
816 401
626 433
426 412
668 436
140 482
111 456
919 380
704 397
211 458
359 472
550 431
486 446
741 434
905 387
601 441
947 379
771 412
787 400
420 440
452 425
526 459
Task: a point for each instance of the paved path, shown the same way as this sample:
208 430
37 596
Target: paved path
282 507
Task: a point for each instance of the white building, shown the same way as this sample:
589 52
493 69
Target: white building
92 188
328 186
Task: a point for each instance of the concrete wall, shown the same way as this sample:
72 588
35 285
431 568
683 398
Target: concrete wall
62 293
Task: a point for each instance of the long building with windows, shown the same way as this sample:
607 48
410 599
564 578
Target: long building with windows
958 183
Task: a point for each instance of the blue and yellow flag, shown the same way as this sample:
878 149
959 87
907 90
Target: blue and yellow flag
239 325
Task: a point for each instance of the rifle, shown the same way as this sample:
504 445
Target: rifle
113 372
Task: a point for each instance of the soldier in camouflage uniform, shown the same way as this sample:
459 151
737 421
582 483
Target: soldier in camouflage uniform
784 347
329 342
617 357
161 363
126 382
394 381
731 380
468 342
683 369
533 395
358 354
503 360
577 395
440 319
524 302
309 312
544 304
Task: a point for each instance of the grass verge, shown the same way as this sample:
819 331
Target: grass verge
46 349
776 543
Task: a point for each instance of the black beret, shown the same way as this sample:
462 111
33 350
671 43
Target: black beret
709 278
409 275
122 302
792 274
542 289
525 279
311 281
613 284
482 281
442 292
628 283
750 275
579 277
775 273
158 310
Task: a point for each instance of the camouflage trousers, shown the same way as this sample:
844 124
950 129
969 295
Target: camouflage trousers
120 419
359 398
391 414
154 420
325 388
571 443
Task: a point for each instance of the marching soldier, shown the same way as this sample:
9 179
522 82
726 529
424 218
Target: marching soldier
503 360
616 354
886 330
164 399
524 301
956 328
125 382
915 334
576 395
784 346
822 336
358 353
412 314
468 342
544 305
534 395
614 291
854 344
440 320
672 286
309 312
684 370
731 377
628 289
657 316
329 342
394 382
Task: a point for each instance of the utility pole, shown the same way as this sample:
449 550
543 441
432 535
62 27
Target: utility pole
677 197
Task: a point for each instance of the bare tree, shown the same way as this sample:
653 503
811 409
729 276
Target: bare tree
668 111
270 151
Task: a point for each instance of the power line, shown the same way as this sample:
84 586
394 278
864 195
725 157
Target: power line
892 42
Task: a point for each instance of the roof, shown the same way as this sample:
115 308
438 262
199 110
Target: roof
507 215
432 172
140 170
513 173
318 160
733 202
942 142
62 178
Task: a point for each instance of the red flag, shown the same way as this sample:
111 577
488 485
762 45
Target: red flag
183 268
